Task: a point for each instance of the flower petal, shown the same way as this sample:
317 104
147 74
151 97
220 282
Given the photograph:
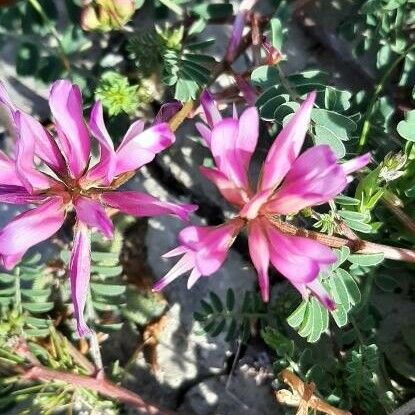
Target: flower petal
225 152
103 172
137 150
229 191
287 146
205 132
167 111
357 163
25 154
143 205
93 214
298 259
45 146
18 195
210 109
8 175
247 139
314 178
259 252
32 227
65 102
79 274
186 263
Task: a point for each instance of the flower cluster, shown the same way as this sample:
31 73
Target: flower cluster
54 173
288 182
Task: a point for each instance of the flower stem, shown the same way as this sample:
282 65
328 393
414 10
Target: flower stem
100 385
52 29
379 87
356 245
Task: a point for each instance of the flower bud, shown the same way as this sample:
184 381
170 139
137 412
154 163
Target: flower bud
106 15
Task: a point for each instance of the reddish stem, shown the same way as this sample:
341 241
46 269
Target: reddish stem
100 385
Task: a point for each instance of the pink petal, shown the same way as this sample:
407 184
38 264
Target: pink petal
205 132
10 261
236 36
229 191
92 213
135 129
210 109
248 132
103 172
210 243
135 151
25 154
314 178
185 264
18 195
79 274
356 164
45 146
6 100
8 174
298 259
287 146
225 152
65 102
143 205
32 227
167 111
252 208
259 252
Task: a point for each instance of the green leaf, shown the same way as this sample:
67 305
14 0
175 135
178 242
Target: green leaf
216 302
339 125
6 278
306 326
346 200
213 11
277 341
38 307
340 315
276 33
207 308
297 316
317 321
219 328
351 286
265 76
230 299
366 260
107 289
339 290
359 226
406 128
325 136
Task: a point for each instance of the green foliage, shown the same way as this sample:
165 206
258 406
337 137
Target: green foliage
188 69
311 318
279 98
118 95
48 397
361 382
406 127
218 316
28 292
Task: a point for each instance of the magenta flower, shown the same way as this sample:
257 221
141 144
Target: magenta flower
288 183
54 174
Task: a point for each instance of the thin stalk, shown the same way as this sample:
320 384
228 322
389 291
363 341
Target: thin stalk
379 87
358 246
52 29
100 385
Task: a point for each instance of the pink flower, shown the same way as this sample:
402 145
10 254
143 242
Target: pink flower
54 174
288 183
